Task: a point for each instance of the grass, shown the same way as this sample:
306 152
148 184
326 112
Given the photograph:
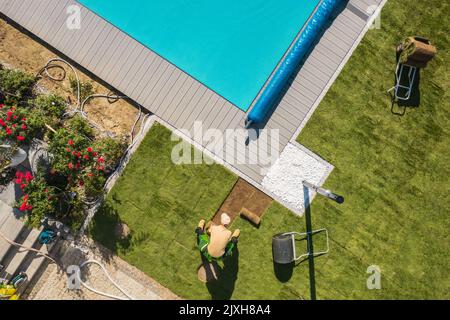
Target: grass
162 204
393 170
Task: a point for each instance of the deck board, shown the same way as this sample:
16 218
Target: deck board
174 96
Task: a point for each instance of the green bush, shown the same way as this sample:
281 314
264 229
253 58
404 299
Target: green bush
86 88
15 85
45 110
80 126
93 186
51 105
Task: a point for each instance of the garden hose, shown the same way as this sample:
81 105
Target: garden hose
78 272
28 248
109 278
51 64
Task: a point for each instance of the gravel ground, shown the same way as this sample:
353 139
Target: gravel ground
295 165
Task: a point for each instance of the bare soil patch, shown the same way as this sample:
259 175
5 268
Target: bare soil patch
18 50
243 195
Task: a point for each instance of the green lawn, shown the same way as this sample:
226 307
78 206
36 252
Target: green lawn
394 171
162 204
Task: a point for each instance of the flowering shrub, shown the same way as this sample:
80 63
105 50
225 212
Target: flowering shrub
13 125
39 199
78 161
112 150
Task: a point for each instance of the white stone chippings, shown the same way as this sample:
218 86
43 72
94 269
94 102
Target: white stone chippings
284 179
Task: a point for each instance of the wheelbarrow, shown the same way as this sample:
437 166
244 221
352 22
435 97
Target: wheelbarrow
284 249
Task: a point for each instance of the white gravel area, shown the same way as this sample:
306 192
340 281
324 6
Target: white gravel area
295 164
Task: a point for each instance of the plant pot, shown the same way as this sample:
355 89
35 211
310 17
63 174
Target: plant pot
19 156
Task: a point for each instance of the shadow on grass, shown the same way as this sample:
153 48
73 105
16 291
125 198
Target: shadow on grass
223 287
103 229
312 272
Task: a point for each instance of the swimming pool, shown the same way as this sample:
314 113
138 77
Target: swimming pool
231 46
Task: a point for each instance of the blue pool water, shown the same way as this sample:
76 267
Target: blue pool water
231 46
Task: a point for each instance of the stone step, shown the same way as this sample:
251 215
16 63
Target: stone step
5 212
11 229
33 263
20 254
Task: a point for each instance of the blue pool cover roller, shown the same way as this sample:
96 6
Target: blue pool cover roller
290 63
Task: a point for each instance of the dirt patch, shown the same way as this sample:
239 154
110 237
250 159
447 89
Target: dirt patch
243 195
17 50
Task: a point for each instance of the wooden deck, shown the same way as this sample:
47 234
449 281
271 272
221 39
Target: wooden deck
175 97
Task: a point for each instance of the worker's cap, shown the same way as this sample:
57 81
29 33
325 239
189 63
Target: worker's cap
225 219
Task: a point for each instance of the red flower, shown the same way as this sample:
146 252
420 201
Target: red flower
89 149
90 174
70 166
28 176
70 142
24 127
20 138
23 207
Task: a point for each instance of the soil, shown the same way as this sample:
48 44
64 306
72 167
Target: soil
243 195
17 50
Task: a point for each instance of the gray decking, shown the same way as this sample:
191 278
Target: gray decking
171 94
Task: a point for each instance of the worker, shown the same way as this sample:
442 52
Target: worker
220 243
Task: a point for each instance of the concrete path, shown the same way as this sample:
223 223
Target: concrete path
53 284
